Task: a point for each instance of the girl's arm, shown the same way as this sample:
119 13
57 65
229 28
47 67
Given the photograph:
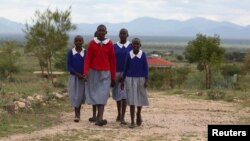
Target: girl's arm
69 62
145 65
87 60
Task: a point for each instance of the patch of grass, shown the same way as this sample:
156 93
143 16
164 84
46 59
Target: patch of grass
76 135
30 120
188 136
156 137
71 135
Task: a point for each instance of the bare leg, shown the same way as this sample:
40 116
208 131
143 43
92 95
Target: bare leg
94 110
119 105
77 113
124 106
94 117
132 114
100 121
138 116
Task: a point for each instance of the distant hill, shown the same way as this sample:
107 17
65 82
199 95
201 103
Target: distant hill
10 27
146 26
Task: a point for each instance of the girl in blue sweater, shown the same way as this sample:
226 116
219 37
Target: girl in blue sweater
135 77
122 48
76 84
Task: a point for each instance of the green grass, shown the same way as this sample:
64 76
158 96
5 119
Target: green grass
39 117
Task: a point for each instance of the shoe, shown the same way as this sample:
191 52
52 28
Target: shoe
92 119
132 125
105 122
77 119
101 122
123 122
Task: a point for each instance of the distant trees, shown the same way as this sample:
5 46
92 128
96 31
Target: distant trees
8 59
206 51
47 36
247 61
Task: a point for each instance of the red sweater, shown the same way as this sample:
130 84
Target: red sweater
100 56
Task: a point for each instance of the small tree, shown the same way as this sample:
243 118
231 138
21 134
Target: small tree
48 35
206 51
247 61
180 75
8 59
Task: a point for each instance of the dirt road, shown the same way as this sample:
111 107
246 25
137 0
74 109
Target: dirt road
172 118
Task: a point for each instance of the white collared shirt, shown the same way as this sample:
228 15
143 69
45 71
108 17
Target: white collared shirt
123 45
75 52
101 42
138 55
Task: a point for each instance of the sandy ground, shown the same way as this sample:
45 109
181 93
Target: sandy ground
172 118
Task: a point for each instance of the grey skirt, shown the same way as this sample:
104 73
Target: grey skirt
117 93
76 89
136 92
98 87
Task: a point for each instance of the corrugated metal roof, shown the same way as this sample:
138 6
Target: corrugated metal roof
159 62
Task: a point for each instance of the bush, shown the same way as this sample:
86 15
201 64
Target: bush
159 79
215 94
195 80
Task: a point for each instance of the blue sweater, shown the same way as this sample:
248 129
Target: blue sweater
136 65
75 61
120 53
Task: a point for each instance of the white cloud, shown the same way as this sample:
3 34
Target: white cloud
114 11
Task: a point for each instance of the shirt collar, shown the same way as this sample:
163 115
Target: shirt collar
75 52
138 55
101 42
123 45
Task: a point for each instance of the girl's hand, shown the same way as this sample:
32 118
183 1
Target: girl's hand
80 76
85 78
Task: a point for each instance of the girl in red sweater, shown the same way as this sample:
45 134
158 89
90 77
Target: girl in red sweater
99 71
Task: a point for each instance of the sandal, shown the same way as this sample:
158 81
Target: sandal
77 119
132 125
92 119
123 122
101 122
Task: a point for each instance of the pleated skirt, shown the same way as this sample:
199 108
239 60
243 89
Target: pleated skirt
117 93
98 87
136 92
76 90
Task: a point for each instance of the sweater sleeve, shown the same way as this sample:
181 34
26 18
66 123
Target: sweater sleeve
87 60
145 66
126 66
69 62
112 60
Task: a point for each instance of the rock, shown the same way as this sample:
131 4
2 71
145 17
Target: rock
57 95
20 104
30 98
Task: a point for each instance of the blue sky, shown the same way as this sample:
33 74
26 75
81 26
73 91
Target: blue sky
116 11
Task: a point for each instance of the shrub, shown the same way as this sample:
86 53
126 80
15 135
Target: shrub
215 94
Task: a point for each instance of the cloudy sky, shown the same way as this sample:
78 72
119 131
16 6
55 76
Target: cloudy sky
116 11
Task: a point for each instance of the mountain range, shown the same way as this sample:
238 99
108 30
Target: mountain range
146 26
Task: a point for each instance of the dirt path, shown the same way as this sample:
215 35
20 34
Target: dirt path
170 118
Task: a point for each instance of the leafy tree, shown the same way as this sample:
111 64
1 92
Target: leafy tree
47 36
181 75
247 61
8 59
60 60
206 51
